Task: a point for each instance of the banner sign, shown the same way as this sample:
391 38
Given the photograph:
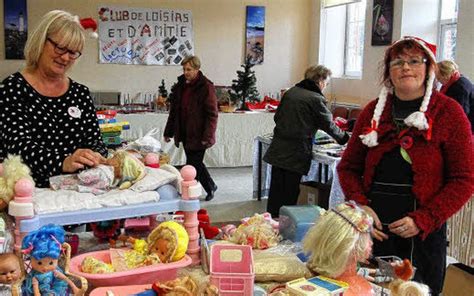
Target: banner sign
144 36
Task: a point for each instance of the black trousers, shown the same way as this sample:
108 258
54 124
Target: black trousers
284 190
428 256
195 158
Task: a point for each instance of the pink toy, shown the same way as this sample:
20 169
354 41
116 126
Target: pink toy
232 277
152 160
143 275
24 187
188 173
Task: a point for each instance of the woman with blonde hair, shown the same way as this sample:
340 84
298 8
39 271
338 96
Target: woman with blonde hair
457 86
46 117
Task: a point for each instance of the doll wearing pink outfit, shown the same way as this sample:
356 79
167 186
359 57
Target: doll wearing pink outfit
337 242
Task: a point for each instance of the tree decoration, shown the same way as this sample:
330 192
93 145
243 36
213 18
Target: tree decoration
243 88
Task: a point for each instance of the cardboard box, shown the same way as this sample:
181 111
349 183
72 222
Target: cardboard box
308 195
459 280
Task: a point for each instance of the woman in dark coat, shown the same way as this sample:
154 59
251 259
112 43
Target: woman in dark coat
193 119
458 87
301 113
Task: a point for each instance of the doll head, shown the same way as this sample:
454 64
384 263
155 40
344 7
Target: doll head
9 268
339 237
13 169
169 241
44 247
400 287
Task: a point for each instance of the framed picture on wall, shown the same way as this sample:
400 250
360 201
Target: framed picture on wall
15 26
255 34
382 26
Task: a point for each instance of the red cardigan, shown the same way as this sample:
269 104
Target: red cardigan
443 174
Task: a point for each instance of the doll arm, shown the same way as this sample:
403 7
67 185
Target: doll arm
35 284
58 274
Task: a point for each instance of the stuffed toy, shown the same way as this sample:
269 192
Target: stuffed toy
12 170
210 231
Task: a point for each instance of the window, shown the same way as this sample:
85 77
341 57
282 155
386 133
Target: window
342 39
448 27
354 49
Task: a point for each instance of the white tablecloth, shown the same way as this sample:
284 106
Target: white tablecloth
234 136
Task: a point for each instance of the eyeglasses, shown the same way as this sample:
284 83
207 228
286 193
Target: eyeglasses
62 50
412 62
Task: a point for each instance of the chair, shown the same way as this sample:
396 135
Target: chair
354 113
340 111
63 262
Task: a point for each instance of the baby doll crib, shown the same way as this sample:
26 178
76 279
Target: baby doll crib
64 262
27 220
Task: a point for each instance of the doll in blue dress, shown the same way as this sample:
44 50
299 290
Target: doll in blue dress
46 277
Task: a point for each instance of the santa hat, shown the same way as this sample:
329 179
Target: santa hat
417 119
89 23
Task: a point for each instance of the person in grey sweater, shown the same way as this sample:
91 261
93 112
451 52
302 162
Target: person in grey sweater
301 113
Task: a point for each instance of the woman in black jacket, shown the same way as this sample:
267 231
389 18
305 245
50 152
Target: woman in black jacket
457 87
301 113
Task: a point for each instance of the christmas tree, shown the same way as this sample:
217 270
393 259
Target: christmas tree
243 88
162 102
162 89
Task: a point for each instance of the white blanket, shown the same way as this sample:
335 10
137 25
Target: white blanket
50 201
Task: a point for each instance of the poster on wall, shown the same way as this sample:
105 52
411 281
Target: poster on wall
15 25
382 22
144 36
255 33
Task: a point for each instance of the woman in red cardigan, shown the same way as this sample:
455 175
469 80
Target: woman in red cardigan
410 161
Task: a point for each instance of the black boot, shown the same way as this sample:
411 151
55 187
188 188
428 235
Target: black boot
210 195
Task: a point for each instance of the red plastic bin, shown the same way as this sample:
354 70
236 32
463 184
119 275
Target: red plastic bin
231 268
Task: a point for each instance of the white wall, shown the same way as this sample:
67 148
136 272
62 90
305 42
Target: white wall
219 39
465 38
420 18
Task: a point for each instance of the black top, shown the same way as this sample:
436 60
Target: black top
45 130
392 168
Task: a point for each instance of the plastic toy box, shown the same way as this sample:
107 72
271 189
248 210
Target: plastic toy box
296 220
143 275
231 268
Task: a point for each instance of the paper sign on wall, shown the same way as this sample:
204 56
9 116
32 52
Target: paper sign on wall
144 36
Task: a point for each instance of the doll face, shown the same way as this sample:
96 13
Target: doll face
44 265
160 247
9 270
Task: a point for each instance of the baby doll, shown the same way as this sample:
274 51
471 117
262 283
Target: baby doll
122 170
12 170
168 242
338 240
44 248
9 272
127 168
257 232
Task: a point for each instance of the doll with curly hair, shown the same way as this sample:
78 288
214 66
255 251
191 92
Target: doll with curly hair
44 248
11 170
337 242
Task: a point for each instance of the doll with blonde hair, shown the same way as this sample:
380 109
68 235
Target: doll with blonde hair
337 242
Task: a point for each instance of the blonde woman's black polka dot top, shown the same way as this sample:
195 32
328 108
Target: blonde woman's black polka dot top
45 130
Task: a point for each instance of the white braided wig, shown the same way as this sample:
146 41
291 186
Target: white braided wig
416 119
